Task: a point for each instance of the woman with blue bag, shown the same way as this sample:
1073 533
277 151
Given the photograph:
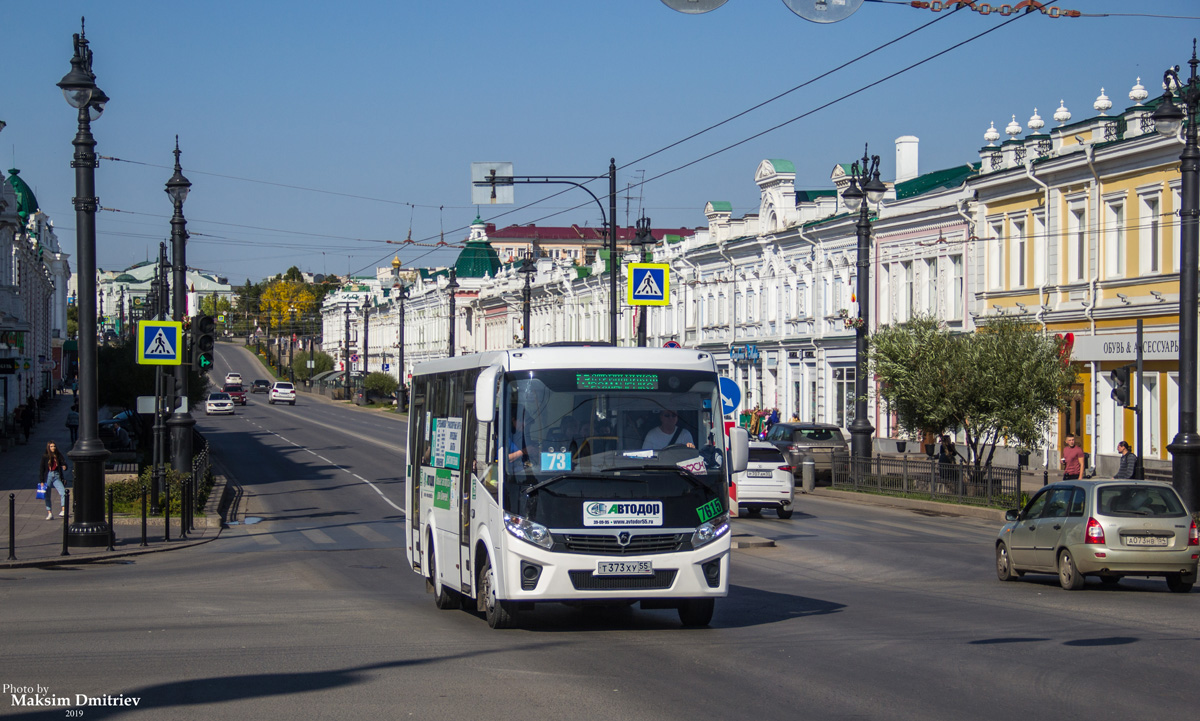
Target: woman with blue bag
51 471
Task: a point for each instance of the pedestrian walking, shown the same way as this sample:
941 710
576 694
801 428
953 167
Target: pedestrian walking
947 459
27 420
1072 460
73 422
51 471
1129 460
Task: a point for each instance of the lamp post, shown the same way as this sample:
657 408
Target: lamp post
181 422
1185 447
641 240
292 346
366 346
527 269
79 87
401 293
864 190
451 287
346 355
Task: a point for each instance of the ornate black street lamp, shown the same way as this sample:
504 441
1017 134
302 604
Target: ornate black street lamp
292 346
181 421
401 293
366 347
451 289
864 190
346 357
527 269
79 87
1185 447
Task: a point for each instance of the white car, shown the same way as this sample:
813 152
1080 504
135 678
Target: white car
767 481
282 392
233 379
218 403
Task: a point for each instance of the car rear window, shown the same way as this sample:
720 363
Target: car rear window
233 388
1139 501
816 434
766 455
283 386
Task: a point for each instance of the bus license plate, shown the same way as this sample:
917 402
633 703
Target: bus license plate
624 568
1145 541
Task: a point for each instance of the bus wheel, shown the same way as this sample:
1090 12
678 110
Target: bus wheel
498 613
696 612
443 597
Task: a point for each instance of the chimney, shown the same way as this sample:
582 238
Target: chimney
906 158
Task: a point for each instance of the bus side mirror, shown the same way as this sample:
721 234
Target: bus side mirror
739 449
485 395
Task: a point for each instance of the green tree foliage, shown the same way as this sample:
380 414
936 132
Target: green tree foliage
1005 381
215 305
72 321
380 384
121 379
322 362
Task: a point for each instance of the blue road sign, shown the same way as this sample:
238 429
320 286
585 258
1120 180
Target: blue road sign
648 284
387 366
159 343
731 395
672 344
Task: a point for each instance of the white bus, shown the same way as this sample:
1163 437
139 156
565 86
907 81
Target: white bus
573 475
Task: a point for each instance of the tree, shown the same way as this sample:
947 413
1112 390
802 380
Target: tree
380 384
1005 381
322 362
215 305
72 321
280 298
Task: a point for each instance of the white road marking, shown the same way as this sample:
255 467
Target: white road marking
316 535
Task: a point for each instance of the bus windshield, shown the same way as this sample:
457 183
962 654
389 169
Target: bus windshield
611 433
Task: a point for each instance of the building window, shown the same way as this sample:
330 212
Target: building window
996 257
1114 239
1077 244
957 288
907 292
1016 264
1040 242
884 303
1151 240
843 382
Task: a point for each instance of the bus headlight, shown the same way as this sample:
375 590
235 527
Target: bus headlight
710 531
527 530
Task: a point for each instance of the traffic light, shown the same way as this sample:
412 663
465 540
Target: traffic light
202 343
1120 382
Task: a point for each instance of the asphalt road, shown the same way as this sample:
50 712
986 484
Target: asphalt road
859 612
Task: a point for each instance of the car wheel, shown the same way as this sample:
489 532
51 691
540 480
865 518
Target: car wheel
1110 580
271 402
696 612
1178 583
1004 569
499 613
1068 575
784 513
292 403
443 597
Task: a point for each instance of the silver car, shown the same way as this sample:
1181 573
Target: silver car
1106 528
766 482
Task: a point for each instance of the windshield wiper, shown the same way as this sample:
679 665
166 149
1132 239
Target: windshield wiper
583 476
683 472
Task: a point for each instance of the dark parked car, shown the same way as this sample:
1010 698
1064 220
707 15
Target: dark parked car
235 392
819 441
261 385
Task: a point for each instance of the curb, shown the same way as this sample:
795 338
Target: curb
946 509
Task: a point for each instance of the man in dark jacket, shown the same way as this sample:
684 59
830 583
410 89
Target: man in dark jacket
1128 467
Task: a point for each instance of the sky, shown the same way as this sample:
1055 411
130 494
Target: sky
313 133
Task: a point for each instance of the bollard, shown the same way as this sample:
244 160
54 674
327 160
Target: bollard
12 532
808 474
167 511
144 515
112 532
66 520
1045 477
183 510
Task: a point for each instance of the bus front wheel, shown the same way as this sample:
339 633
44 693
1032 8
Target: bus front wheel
497 612
696 612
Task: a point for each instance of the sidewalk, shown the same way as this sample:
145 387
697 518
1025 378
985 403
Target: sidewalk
39 542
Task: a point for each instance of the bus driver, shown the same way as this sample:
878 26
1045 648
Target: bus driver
667 433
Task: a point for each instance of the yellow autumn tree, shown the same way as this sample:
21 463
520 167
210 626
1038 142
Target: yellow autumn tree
284 298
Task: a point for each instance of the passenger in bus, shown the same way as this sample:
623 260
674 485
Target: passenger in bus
520 446
667 433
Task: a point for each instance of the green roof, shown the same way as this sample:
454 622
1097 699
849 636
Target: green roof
809 196
583 271
27 203
783 166
721 206
477 259
938 179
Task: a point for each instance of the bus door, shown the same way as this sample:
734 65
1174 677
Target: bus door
466 489
417 460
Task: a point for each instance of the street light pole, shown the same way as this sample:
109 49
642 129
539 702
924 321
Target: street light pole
612 250
90 528
292 347
527 269
1185 447
181 421
642 239
451 288
366 335
401 292
864 190
346 355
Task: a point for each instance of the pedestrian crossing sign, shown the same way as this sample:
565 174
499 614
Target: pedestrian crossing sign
159 343
648 284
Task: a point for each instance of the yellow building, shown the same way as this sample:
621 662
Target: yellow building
1078 230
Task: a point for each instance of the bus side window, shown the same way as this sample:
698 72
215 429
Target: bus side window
486 468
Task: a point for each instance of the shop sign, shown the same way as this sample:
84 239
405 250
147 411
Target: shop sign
1123 347
743 353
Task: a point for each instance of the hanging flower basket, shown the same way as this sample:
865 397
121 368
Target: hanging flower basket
854 322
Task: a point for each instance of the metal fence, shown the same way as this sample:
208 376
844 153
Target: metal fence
925 477
200 462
